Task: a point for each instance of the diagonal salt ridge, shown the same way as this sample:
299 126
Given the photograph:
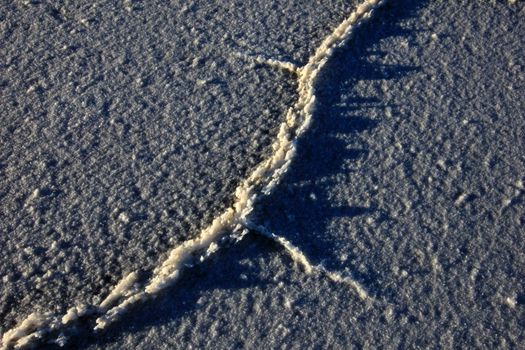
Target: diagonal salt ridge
300 258
274 63
128 292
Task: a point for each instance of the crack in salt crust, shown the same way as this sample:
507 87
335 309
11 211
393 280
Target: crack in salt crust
39 327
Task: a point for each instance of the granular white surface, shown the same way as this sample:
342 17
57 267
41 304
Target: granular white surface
411 178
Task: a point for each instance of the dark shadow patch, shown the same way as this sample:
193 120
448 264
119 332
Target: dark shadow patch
303 206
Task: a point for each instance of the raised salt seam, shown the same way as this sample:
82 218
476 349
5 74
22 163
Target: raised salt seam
38 328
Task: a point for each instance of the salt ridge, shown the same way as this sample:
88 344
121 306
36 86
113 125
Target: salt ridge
38 327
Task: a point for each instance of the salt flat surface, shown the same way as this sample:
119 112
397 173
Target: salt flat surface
410 179
127 126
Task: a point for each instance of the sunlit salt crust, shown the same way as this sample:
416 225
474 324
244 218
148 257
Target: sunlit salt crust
128 292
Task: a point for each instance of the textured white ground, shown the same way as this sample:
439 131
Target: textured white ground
126 126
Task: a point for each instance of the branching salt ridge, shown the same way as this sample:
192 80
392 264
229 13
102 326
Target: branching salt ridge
300 258
41 327
284 65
